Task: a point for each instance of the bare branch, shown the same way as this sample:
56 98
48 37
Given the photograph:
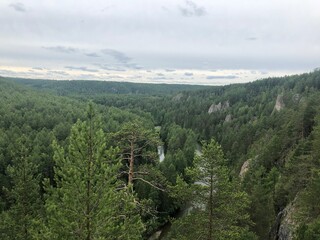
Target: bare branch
152 185
142 173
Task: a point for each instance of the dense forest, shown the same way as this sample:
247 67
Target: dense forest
106 160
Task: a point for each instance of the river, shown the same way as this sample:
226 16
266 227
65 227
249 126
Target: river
161 153
162 233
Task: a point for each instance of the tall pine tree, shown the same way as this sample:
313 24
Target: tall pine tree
88 201
138 146
219 207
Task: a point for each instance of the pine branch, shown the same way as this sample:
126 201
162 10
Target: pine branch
152 185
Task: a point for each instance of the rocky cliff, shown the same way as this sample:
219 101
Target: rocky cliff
279 103
218 107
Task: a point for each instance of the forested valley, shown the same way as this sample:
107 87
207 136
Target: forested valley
106 160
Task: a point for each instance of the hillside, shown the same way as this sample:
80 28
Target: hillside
268 130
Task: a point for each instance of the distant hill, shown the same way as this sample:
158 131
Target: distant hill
90 87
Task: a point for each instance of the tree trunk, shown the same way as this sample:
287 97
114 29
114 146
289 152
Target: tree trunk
89 163
131 164
211 208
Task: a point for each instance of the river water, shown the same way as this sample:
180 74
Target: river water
161 153
164 230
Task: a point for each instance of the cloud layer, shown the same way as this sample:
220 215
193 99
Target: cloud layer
191 9
99 38
18 6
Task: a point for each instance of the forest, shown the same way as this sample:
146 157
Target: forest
107 160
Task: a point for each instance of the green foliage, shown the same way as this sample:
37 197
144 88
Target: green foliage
19 221
137 145
88 201
310 231
180 148
283 146
140 161
260 187
220 207
89 88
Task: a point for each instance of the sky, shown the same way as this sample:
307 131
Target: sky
212 42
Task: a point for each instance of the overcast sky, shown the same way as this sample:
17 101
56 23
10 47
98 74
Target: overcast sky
199 41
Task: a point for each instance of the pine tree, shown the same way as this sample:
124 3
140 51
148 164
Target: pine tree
138 147
19 221
219 207
88 201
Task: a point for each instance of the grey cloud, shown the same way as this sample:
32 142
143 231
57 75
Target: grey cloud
85 69
38 68
107 8
188 74
170 70
6 72
117 55
116 69
192 9
110 68
62 49
132 65
18 6
218 39
158 78
135 66
251 38
58 72
86 76
222 77
115 76
92 54
28 74
32 73
121 58
135 77
165 9
160 74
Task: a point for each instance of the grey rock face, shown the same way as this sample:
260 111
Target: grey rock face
279 103
228 118
244 168
287 224
218 107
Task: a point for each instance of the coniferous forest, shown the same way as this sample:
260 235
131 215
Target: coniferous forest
109 160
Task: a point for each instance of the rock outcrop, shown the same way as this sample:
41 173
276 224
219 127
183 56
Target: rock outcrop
155 236
296 98
244 168
285 225
279 103
218 107
228 118
177 97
